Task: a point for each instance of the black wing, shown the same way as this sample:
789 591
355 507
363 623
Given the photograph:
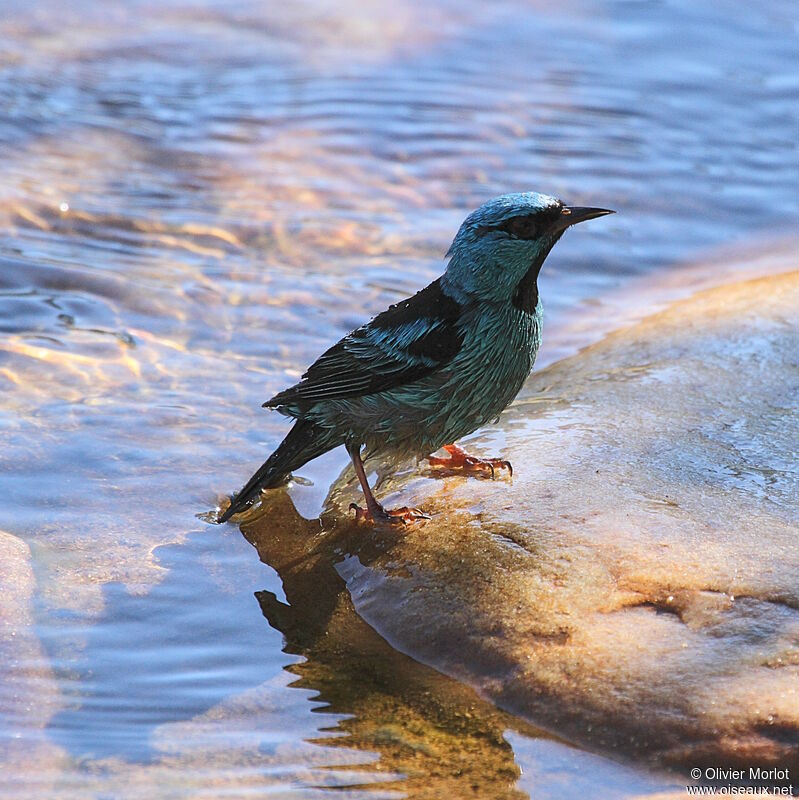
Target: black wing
403 344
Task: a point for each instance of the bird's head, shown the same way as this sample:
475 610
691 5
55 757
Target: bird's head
500 247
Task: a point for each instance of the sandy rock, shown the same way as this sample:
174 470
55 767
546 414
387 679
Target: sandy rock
635 589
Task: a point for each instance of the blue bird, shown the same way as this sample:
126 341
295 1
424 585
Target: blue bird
435 367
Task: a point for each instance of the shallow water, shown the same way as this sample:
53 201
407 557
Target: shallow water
196 201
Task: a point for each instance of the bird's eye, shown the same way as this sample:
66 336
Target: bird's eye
521 227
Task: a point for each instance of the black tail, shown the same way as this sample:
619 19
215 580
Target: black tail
303 442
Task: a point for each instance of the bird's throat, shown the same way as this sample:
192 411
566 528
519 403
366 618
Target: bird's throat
525 296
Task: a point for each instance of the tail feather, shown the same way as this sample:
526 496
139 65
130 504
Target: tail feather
303 442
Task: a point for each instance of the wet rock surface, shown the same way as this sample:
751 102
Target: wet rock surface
28 692
634 588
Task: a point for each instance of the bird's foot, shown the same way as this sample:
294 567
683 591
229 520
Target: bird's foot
459 459
404 515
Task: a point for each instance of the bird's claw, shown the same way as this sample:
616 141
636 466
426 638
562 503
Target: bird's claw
404 515
459 459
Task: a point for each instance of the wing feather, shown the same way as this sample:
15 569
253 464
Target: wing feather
403 344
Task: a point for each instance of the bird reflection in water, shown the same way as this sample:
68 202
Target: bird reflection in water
439 735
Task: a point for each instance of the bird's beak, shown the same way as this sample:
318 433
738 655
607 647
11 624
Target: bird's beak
571 215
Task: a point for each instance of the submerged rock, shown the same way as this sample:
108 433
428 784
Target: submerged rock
635 588
28 692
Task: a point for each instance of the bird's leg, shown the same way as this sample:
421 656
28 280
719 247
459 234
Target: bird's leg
460 459
374 511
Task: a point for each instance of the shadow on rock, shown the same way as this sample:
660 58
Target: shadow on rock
437 733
